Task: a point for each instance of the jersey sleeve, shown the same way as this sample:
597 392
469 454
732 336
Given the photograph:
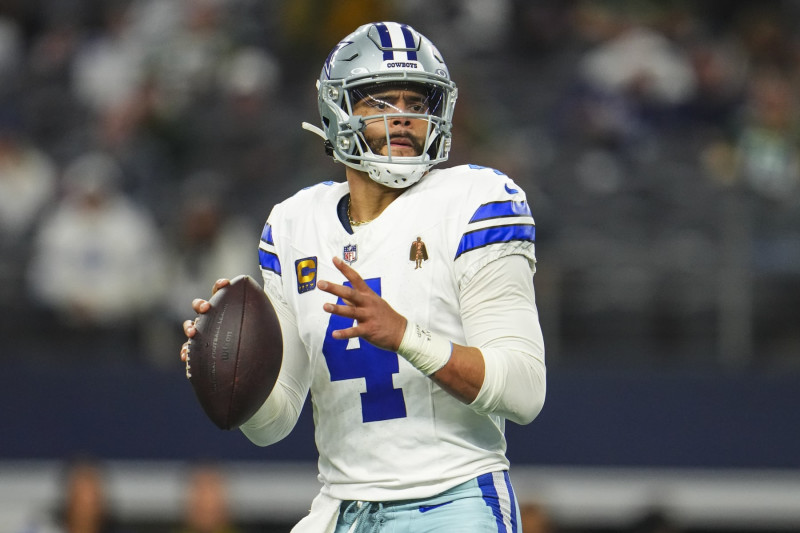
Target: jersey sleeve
495 221
494 264
278 415
268 259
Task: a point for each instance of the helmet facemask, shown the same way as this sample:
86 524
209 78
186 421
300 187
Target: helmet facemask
368 125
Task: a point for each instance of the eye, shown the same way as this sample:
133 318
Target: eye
376 103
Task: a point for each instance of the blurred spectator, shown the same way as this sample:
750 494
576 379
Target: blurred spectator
84 505
491 19
762 228
535 518
720 69
237 131
110 78
631 81
108 68
763 157
206 507
184 69
768 149
55 113
153 22
97 262
173 51
640 62
27 186
27 178
209 242
248 133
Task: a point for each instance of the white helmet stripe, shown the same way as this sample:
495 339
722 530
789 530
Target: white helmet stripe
396 36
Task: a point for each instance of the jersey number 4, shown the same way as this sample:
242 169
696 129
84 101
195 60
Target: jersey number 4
354 360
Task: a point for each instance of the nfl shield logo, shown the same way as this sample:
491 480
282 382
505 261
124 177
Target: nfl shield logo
350 254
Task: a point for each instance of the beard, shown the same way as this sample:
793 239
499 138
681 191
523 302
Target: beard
378 142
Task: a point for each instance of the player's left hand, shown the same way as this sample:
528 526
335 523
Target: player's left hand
377 322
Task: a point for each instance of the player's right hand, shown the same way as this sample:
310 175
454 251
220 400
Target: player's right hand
200 306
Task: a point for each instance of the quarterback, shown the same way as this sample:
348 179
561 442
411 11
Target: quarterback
406 301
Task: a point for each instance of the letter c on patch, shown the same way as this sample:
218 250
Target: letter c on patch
306 270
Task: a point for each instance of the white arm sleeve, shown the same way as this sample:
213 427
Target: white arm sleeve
498 309
278 416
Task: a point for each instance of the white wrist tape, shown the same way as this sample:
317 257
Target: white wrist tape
427 351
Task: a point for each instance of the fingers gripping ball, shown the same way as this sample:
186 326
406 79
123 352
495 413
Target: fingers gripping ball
235 356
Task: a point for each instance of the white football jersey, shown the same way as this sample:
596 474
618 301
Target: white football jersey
383 430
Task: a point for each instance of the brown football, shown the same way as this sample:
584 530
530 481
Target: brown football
236 354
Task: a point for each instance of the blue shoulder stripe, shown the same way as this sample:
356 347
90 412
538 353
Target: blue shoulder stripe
269 261
508 208
266 234
494 235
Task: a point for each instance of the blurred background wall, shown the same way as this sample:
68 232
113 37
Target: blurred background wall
143 143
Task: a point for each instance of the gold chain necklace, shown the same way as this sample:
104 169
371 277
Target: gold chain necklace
354 223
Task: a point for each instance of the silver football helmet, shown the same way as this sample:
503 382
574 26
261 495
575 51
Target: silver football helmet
375 57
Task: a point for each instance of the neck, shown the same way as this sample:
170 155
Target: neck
368 199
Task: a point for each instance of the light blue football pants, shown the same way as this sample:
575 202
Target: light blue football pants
486 504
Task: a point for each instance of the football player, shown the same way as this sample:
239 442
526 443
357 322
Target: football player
414 361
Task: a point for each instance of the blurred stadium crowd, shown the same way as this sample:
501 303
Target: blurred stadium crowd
143 143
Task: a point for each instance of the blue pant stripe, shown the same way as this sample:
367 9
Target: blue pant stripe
492 500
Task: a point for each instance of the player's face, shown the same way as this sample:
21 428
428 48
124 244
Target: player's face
406 135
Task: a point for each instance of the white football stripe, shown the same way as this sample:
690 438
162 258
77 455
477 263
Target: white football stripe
504 498
398 41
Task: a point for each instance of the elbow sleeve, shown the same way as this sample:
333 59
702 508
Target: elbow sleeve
514 385
500 318
274 420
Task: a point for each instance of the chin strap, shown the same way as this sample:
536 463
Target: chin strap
314 129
